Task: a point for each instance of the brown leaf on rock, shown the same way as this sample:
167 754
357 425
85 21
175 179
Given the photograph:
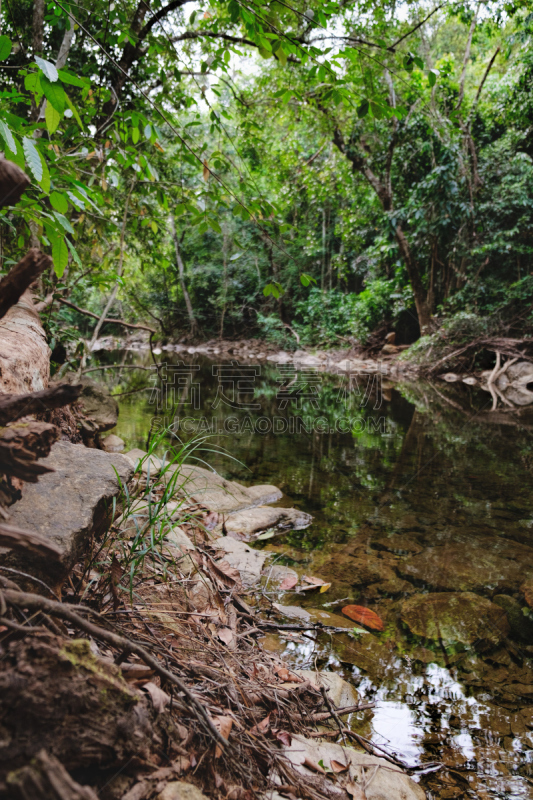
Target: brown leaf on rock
160 699
313 581
356 791
288 583
364 616
283 673
210 521
321 587
337 767
223 726
310 764
227 576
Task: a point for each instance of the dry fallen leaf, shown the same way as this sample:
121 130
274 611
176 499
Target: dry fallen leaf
357 792
210 521
263 726
160 699
312 765
364 616
284 737
283 673
206 171
227 636
223 726
314 584
228 576
336 766
314 581
288 583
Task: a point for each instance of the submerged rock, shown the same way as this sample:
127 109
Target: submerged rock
452 617
521 626
68 505
488 562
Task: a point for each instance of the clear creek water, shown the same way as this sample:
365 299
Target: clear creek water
422 512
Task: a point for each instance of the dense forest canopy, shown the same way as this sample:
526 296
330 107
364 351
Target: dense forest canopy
297 170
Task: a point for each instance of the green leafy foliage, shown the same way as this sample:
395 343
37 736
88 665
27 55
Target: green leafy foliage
290 183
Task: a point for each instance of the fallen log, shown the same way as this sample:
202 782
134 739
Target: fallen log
24 351
21 276
56 694
46 778
21 445
14 406
17 539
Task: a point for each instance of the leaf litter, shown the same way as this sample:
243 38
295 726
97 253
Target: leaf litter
192 615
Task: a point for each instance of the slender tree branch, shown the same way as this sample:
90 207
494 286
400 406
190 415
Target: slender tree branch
107 319
163 12
467 58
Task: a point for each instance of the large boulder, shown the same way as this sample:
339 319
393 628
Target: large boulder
455 617
68 506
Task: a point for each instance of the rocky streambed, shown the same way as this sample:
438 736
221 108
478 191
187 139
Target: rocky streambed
423 519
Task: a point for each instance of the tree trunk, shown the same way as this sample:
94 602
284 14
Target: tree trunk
419 293
24 352
181 273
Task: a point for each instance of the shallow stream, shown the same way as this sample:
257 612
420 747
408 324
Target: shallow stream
423 512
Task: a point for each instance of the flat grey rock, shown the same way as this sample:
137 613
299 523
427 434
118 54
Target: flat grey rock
206 487
141 459
340 692
378 779
241 556
113 444
250 522
68 505
180 790
218 494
